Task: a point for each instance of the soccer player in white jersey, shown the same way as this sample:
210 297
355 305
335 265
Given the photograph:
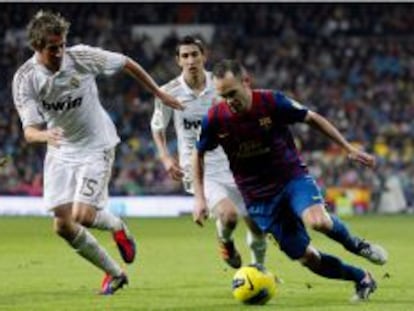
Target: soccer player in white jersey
56 96
195 90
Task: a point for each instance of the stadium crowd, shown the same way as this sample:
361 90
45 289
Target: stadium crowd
351 62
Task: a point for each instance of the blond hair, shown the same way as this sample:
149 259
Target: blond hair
43 24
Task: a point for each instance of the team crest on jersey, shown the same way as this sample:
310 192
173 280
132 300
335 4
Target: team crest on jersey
265 122
74 82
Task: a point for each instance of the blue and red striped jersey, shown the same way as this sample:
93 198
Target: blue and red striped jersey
259 144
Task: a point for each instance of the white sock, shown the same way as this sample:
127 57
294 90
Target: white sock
223 232
257 244
87 246
105 220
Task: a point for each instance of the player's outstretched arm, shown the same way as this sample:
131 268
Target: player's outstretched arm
139 74
200 211
170 163
323 125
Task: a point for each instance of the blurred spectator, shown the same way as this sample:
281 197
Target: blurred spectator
351 62
392 197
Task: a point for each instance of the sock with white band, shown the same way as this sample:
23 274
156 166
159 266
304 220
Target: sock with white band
257 244
87 246
105 220
224 233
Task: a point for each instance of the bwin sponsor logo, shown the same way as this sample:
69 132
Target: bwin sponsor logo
67 104
188 125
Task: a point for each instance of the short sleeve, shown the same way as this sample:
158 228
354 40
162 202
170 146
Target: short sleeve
25 101
208 138
96 60
161 116
289 110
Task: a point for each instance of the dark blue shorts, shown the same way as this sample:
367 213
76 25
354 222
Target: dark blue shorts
281 214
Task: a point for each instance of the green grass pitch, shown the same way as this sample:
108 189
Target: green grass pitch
178 268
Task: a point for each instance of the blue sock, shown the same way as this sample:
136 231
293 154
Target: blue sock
341 234
333 268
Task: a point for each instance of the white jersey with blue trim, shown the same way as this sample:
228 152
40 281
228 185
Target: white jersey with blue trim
69 99
187 125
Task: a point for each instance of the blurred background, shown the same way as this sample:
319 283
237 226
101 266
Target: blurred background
353 63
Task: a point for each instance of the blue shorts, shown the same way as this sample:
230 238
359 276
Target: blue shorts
281 215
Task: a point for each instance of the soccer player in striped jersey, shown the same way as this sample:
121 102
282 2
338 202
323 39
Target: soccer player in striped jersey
194 88
56 96
252 126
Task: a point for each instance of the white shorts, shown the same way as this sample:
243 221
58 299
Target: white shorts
84 180
216 191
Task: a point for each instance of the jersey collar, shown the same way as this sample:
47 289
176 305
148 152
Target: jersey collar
189 91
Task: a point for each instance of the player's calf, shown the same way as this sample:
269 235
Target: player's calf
257 244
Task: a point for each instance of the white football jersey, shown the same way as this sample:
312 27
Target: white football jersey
187 125
69 99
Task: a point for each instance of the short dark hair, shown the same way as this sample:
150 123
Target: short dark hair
45 23
229 65
187 40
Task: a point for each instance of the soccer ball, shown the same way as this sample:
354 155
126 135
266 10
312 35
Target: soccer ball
253 285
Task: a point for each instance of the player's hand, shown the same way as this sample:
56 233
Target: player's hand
362 157
173 168
200 212
170 101
54 136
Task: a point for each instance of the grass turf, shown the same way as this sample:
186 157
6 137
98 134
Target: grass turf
178 268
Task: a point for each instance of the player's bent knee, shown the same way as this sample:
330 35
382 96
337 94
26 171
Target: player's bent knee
319 221
78 217
230 218
321 224
228 222
317 218
84 215
310 258
227 214
63 228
